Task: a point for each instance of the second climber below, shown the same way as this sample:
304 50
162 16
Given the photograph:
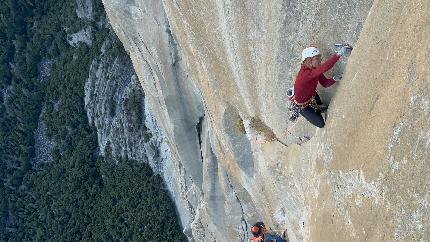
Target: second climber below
306 100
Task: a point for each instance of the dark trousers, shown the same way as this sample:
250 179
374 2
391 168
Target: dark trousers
314 117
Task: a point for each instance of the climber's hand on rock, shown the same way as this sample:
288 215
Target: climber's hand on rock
337 78
344 51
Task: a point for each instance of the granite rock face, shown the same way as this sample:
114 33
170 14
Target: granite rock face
116 107
215 75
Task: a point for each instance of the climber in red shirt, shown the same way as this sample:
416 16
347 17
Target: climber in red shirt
311 73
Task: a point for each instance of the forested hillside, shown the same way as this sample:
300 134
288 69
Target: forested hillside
74 194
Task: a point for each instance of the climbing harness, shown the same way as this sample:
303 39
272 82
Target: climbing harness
296 107
311 102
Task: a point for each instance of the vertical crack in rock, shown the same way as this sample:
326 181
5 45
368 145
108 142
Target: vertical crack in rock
243 234
199 134
173 45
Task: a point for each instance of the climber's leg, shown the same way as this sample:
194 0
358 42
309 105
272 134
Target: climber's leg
322 106
314 117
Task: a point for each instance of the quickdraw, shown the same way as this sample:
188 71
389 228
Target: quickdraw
294 111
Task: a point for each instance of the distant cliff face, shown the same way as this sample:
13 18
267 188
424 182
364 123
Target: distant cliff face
215 75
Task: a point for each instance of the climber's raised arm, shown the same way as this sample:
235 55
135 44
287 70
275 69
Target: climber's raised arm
311 73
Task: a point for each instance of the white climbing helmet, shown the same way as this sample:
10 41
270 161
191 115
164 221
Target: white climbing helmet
310 52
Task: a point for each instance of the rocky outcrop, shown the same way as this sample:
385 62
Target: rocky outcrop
84 36
115 105
215 73
84 9
43 145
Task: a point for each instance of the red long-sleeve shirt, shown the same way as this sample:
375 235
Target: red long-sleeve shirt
307 79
